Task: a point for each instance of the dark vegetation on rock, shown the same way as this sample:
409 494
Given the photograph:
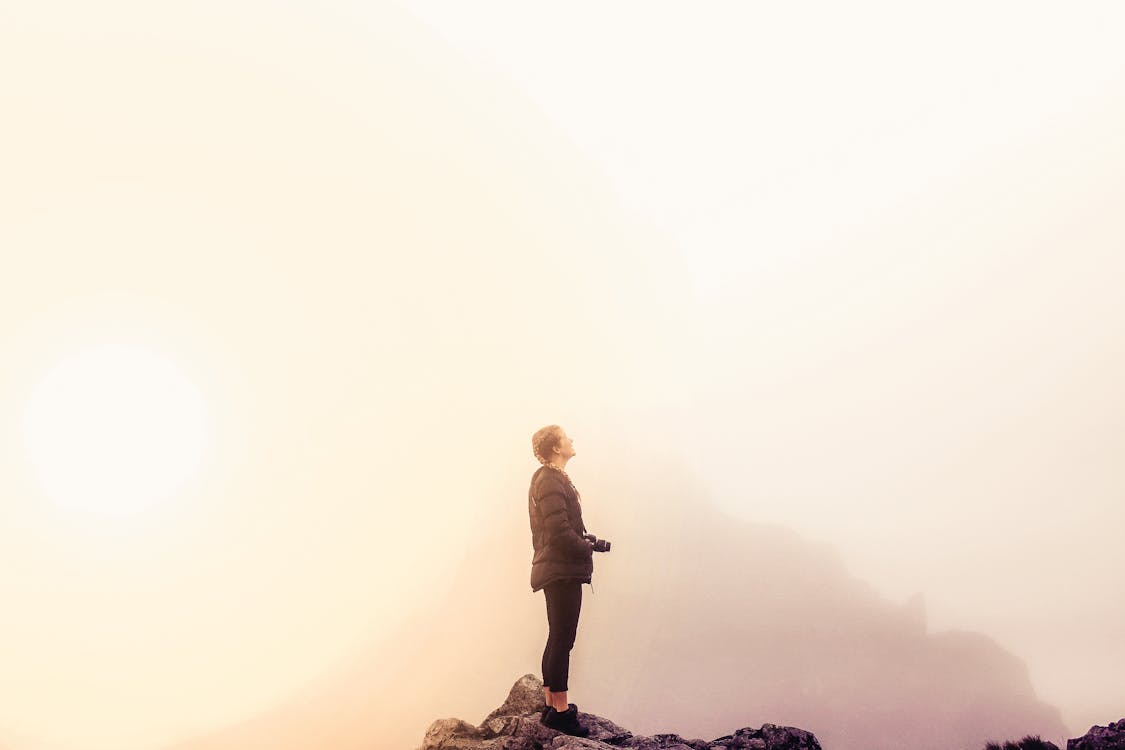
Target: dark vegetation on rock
1031 742
1111 737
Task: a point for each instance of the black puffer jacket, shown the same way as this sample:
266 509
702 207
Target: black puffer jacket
561 554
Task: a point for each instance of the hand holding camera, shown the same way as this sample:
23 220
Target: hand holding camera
600 545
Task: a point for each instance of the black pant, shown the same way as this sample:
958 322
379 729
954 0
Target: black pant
564 603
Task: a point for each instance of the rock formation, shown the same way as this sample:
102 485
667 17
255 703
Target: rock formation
1111 737
515 726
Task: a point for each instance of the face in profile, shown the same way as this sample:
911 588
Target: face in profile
565 446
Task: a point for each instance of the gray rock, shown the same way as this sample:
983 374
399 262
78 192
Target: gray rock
566 742
1101 738
449 734
529 727
661 742
525 697
515 725
651 743
769 737
604 730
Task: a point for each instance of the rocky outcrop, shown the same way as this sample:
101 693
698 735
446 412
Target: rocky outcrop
515 726
1101 738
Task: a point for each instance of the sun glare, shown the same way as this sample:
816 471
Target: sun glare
115 429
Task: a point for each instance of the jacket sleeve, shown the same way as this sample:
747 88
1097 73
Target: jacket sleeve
556 522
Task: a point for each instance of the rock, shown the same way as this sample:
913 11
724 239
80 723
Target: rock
1101 738
659 742
566 742
605 731
668 742
769 737
525 697
515 726
528 727
448 733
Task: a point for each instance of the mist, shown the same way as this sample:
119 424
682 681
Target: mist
827 280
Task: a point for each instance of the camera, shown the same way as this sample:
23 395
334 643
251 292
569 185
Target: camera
600 545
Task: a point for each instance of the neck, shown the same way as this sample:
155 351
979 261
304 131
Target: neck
558 462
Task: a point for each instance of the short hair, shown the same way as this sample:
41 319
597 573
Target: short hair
545 440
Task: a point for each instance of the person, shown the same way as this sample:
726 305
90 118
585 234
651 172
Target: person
563 560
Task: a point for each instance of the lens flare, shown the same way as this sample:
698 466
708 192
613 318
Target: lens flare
115 430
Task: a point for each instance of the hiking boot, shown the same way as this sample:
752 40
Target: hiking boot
564 721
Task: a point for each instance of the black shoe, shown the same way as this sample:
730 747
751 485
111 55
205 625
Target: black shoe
564 721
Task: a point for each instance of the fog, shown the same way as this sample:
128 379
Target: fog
850 276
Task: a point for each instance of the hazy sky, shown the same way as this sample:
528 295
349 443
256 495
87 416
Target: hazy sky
345 259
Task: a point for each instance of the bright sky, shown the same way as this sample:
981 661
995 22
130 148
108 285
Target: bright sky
869 255
903 232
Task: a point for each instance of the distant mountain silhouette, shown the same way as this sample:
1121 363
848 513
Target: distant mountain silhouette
698 624
757 625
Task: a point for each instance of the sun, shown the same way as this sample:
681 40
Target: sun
115 429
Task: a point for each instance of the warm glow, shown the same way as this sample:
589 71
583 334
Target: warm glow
287 288
115 429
